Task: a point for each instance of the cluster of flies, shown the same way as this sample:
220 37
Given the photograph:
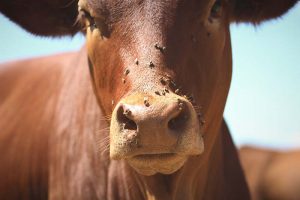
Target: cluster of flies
167 82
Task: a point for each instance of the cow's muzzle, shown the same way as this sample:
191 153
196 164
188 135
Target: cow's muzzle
155 134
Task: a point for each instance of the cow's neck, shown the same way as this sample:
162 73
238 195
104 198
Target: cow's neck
214 175
76 169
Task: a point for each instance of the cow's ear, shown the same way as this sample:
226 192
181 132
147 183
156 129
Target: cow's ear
256 11
43 17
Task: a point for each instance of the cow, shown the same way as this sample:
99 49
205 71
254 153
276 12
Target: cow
137 113
271 174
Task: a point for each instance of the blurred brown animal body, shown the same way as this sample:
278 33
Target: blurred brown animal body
271 175
126 123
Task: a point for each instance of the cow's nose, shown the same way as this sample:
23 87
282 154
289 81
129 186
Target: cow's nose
153 123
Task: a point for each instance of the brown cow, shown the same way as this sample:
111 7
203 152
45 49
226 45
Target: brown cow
160 72
272 175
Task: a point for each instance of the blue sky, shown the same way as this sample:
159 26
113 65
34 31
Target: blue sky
263 107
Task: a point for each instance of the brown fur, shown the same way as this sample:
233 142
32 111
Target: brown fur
271 174
67 163
256 11
55 133
44 17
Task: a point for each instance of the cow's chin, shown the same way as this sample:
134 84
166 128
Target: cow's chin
151 164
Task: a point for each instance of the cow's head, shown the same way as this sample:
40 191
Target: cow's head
161 69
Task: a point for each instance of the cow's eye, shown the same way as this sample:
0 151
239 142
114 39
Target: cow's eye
87 20
216 9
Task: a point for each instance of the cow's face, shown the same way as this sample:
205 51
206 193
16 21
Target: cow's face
161 69
166 66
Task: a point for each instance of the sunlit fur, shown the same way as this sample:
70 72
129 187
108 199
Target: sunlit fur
55 126
271 174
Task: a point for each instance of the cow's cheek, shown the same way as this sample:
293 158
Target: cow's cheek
221 78
212 75
101 76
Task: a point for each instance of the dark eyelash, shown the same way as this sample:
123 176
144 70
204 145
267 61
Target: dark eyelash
82 15
79 21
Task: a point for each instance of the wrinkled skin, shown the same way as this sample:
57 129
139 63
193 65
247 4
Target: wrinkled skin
160 72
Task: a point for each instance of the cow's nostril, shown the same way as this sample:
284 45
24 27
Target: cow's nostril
179 122
130 125
123 116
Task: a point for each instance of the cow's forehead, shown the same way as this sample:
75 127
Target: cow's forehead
138 2
112 6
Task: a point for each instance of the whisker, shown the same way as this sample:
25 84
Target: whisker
102 142
103 130
104 149
105 118
197 108
68 4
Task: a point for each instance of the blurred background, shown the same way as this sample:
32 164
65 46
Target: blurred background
263 107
